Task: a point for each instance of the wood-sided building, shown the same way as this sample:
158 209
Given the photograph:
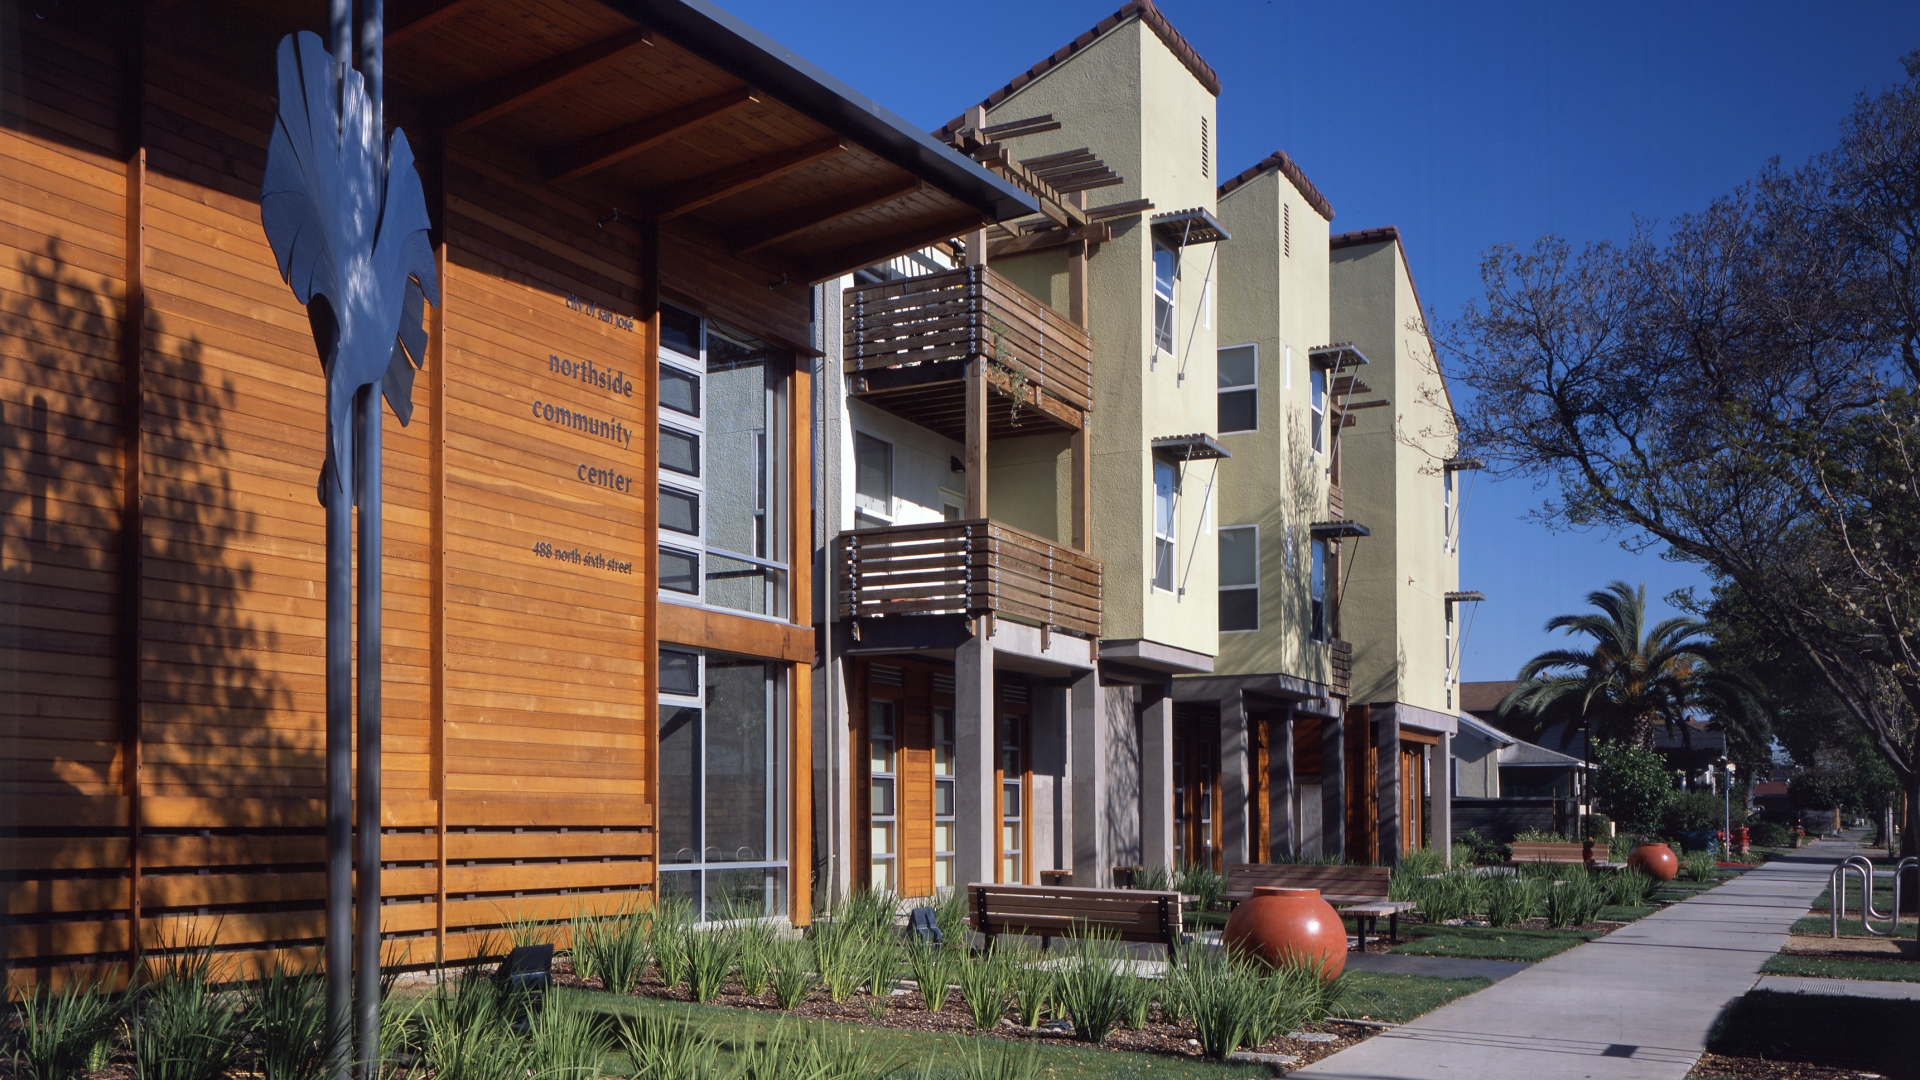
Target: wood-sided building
598 564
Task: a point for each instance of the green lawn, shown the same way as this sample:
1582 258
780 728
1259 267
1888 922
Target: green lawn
1488 943
1822 926
736 1028
1372 995
1882 897
1820 967
1610 913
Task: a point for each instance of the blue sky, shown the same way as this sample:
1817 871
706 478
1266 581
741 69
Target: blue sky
1466 126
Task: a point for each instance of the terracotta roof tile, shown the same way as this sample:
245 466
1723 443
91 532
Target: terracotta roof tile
1363 236
1279 160
1148 14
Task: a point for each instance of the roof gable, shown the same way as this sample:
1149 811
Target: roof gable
1279 160
1141 9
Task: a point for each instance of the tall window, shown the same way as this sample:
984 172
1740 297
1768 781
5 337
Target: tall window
1449 607
1319 587
718 397
1239 388
1240 578
1165 488
1012 801
1446 509
883 760
1166 268
872 481
721 814
1318 403
943 797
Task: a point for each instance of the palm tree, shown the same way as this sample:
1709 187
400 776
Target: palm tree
1631 679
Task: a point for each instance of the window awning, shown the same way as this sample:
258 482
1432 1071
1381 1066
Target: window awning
1190 447
1471 597
1181 228
1336 356
1338 530
1463 464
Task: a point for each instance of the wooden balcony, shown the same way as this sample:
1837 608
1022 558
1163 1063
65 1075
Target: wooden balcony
907 345
971 568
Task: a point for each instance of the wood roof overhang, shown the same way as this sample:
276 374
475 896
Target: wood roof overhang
675 111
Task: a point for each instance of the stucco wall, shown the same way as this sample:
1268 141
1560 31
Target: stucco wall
1394 609
1274 295
1129 99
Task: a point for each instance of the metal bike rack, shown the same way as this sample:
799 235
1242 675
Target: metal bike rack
1860 864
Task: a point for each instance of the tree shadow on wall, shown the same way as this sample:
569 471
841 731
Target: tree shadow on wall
219 718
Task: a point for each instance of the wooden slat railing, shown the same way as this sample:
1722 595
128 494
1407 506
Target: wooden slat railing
974 567
1342 664
1336 502
971 311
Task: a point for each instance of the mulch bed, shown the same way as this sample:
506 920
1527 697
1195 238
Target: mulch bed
1719 1066
906 1012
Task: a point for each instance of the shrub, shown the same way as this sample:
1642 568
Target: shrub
1455 895
1767 834
983 988
1632 785
710 955
1574 901
1485 852
1032 982
55 1035
1597 828
1538 836
1091 988
1695 811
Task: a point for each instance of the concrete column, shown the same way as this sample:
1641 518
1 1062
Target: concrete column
1051 803
1386 740
976 805
832 782
1442 796
1236 826
1333 784
1087 745
1156 776
1282 842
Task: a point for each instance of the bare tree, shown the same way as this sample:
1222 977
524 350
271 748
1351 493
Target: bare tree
1742 391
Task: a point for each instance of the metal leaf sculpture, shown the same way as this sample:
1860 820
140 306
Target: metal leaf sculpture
348 225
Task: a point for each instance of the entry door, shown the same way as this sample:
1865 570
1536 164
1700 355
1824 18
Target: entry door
1413 796
1013 773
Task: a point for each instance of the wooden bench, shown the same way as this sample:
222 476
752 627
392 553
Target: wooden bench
1050 911
1357 891
1546 851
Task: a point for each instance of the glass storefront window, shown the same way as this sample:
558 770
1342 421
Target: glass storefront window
722 817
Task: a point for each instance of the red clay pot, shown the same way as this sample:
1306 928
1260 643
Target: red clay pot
1658 860
1279 924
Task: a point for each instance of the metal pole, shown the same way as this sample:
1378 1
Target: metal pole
333 481
367 417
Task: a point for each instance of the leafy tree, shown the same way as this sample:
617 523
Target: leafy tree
1632 678
1743 391
1632 785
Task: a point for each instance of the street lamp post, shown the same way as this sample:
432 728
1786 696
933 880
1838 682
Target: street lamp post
1726 838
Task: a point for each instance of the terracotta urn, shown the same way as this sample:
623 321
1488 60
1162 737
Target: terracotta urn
1281 924
1658 860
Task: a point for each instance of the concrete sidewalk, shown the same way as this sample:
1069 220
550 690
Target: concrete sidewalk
1637 1004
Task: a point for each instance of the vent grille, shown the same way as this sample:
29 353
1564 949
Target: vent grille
882 675
1206 151
1013 694
943 684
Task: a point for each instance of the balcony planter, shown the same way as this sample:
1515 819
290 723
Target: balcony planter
1658 860
1280 925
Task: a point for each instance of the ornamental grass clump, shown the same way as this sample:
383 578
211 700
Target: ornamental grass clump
1092 986
1630 887
813 1053
1224 999
182 1027
933 969
1449 896
983 988
288 1012
1574 901
663 1045
1201 882
566 1040
839 955
794 977
1511 899
710 955
467 1034
1700 866
754 943
58 1035
1032 982
669 938
613 948
980 1059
